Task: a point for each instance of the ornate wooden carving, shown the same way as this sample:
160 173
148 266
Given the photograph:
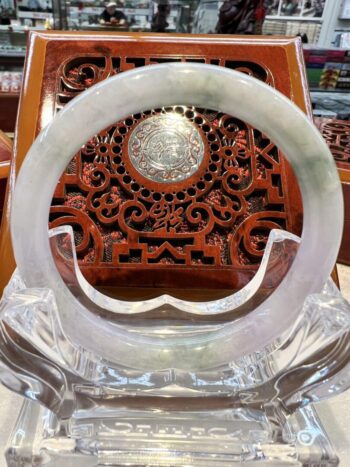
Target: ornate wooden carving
218 217
207 229
337 136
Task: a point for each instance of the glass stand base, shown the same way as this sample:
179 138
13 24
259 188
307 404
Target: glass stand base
140 437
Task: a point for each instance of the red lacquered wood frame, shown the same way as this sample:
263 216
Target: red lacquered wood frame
61 65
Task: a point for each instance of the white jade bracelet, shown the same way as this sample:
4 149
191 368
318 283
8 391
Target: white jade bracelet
155 86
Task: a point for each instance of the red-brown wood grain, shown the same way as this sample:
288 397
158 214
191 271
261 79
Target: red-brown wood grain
5 156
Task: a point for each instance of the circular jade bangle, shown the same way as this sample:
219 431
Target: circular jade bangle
155 86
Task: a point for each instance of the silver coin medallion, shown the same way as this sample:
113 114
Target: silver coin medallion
166 148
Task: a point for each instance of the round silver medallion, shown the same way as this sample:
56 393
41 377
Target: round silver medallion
166 148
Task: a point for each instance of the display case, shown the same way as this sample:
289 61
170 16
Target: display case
283 17
85 15
320 22
328 73
304 17
12 51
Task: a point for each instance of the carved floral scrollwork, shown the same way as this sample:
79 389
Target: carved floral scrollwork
80 74
167 217
217 209
229 205
337 136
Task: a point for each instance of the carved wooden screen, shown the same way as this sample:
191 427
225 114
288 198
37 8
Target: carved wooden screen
337 135
203 226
